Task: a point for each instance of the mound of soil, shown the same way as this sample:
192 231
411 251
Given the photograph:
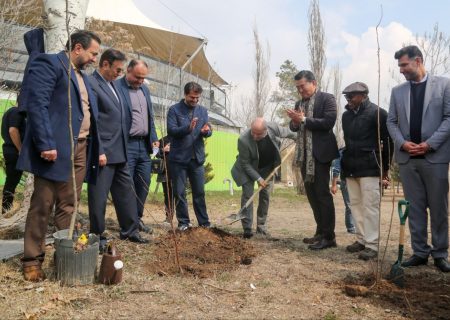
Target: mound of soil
202 252
425 295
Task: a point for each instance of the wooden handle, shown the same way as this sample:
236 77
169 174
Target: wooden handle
250 200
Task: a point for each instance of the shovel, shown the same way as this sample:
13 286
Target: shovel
397 271
236 217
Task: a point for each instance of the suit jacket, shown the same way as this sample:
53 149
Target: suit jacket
184 143
321 125
435 119
47 114
246 165
123 89
111 120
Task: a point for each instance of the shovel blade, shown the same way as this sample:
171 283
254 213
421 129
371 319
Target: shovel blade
235 217
397 274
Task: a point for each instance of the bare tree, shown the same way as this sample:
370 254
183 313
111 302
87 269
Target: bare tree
336 74
316 42
435 47
258 104
112 35
261 75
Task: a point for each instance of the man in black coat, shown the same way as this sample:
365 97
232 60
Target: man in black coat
113 174
313 118
13 130
361 165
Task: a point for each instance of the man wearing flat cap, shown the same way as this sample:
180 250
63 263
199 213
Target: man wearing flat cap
364 143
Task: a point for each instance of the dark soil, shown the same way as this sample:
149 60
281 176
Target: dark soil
425 295
202 252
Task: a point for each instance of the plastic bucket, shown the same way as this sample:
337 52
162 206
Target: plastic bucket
75 268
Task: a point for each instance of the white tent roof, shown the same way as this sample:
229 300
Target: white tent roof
114 10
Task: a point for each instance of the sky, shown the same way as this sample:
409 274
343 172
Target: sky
283 26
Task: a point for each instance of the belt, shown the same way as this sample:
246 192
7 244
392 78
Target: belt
137 137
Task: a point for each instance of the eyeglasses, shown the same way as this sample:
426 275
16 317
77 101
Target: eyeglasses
349 96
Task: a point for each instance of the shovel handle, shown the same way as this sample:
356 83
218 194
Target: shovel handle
403 214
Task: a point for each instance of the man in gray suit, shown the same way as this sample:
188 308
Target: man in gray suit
259 154
113 175
419 124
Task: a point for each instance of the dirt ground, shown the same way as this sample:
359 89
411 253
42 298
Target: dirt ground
232 278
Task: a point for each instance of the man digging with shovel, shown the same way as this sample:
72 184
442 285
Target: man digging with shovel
259 154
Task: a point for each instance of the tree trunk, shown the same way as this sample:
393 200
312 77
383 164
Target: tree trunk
55 18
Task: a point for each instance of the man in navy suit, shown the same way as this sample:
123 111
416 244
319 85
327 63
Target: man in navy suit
141 131
113 174
187 127
46 150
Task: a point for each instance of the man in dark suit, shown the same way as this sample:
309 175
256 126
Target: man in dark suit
419 124
46 149
259 154
313 118
141 131
187 127
113 174
13 130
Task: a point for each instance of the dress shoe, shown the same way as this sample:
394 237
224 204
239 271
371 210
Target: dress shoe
368 254
144 228
136 238
33 273
102 245
414 261
247 234
323 244
355 247
442 264
312 240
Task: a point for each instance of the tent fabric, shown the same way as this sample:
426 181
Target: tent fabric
166 46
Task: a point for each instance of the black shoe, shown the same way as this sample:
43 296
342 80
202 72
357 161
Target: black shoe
103 245
323 244
442 264
414 261
312 240
247 234
136 238
144 228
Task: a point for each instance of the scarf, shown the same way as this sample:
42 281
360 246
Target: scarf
304 141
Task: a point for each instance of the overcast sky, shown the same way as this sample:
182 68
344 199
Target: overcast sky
283 24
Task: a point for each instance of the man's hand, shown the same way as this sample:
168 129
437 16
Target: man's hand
102 160
49 155
333 189
155 144
416 149
296 116
262 183
421 149
205 128
409 146
193 124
